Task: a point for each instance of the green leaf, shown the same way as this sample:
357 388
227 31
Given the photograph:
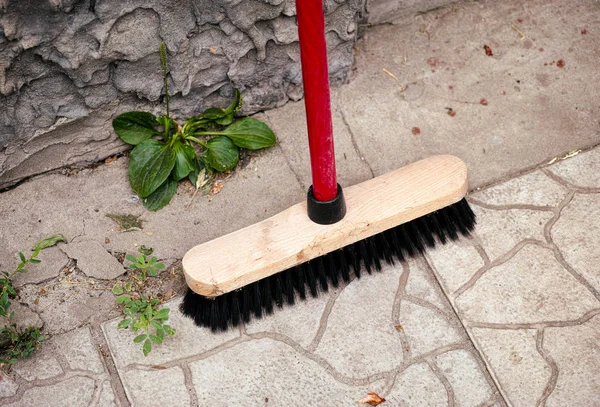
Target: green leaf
35 261
214 113
146 251
155 339
221 154
225 120
169 126
185 161
49 242
117 289
168 330
150 164
236 104
122 298
147 348
162 314
131 258
140 338
22 257
250 133
128 286
124 323
138 325
162 196
135 127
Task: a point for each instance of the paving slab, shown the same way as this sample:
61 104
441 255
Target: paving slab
532 305
67 371
371 335
514 109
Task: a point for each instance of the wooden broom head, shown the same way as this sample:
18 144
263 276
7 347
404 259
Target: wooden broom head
290 238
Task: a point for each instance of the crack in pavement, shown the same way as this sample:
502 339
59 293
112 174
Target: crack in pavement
539 344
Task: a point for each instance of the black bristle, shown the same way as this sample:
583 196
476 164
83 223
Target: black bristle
277 290
319 267
374 252
400 242
299 276
267 295
353 259
246 304
405 242
342 261
311 279
256 300
234 308
288 286
332 269
365 255
424 231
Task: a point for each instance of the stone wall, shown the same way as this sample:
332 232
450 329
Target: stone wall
67 67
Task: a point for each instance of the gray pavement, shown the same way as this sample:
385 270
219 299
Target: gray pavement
509 317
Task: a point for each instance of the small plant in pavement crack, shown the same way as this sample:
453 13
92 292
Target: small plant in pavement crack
16 343
142 313
166 152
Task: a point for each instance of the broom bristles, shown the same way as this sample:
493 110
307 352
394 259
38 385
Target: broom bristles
317 275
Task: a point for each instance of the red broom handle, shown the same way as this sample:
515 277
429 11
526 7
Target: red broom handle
313 56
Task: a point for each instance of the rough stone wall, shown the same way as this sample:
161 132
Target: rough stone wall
67 67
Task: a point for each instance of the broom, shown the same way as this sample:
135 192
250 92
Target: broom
398 215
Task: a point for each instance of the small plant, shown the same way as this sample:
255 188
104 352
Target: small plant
140 262
16 344
141 311
166 152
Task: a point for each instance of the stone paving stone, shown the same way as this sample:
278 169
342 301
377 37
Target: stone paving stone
8 387
252 372
515 363
78 349
501 230
42 366
427 329
531 287
468 383
577 235
523 122
534 188
364 310
189 340
422 285
306 314
52 261
94 260
65 307
576 352
107 396
24 317
289 123
156 387
75 391
581 170
455 263
417 386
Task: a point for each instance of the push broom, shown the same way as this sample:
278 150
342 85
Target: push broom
335 234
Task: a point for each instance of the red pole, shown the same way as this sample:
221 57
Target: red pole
313 55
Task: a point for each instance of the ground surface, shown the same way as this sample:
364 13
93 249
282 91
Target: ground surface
509 317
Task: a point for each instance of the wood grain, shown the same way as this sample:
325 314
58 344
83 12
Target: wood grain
290 238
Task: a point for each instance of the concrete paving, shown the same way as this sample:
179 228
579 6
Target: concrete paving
510 317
